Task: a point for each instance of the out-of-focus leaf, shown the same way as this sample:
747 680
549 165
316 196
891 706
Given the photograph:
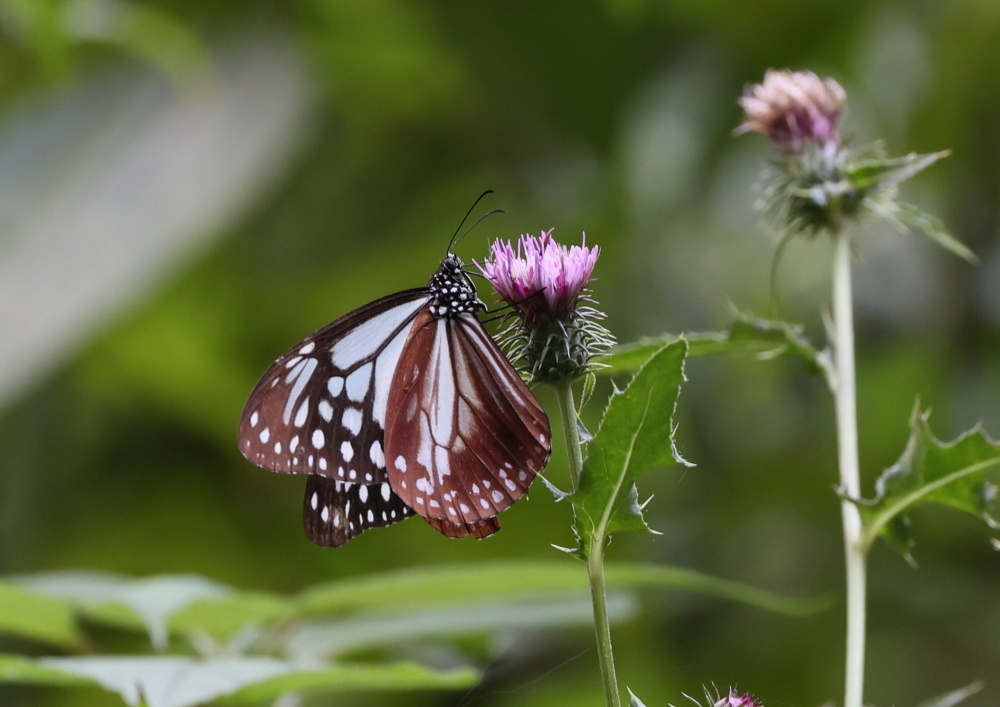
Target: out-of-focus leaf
185 682
746 335
356 678
953 698
933 228
40 618
931 471
330 638
636 435
142 31
20 669
884 173
160 605
109 188
448 585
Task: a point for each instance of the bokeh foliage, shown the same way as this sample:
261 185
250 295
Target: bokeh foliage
186 188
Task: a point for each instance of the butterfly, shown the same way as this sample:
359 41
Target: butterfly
404 406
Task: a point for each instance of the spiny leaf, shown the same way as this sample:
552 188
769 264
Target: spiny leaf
746 335
885 173
636 435
931 471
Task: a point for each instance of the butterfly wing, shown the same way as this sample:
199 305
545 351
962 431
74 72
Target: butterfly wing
334 511
320 408
464 436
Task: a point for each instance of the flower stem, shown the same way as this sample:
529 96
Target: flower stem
850 483
594 548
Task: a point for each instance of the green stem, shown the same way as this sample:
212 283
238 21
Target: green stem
850 478
571 430
594 548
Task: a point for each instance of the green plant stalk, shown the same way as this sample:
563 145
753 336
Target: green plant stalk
843 386
594 547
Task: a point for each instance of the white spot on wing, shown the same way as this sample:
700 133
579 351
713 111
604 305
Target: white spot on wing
325 410
254 419
302 414
385 492
375 454
308 348
497 497
400 464
424 485
352 420
363 493
318 438
314 501
265 434
346 450
358 382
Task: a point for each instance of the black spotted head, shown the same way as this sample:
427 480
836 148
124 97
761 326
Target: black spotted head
452 292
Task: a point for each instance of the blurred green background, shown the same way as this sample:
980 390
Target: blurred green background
188 188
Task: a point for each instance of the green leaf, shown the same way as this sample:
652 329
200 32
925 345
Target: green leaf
160 605
449 585
746 335
889 172
40 618
933 228
532 613
636 435
931 471
166 681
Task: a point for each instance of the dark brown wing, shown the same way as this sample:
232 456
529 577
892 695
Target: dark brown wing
320 408
464 436
334 511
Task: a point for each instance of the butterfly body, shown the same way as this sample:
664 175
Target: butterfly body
403 406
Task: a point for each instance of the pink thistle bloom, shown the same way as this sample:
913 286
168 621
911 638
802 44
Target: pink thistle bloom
734 700
545 282
543 278
794 108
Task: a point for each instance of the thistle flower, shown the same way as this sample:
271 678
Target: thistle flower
553 333
819 184
713 698
794 109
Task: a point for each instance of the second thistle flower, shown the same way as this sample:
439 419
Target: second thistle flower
555 331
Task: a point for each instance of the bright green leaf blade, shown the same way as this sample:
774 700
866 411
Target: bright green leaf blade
931 471
746 335
31 615
168 681
636 435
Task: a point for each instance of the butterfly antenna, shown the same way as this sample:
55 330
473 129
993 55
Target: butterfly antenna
456 237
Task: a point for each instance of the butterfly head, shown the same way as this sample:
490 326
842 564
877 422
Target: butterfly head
452 291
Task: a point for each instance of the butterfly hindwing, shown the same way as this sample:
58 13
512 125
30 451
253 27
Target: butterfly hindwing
335 511
320 408
464 435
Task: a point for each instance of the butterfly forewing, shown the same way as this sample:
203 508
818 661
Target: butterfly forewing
464 435
335 511
320 408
